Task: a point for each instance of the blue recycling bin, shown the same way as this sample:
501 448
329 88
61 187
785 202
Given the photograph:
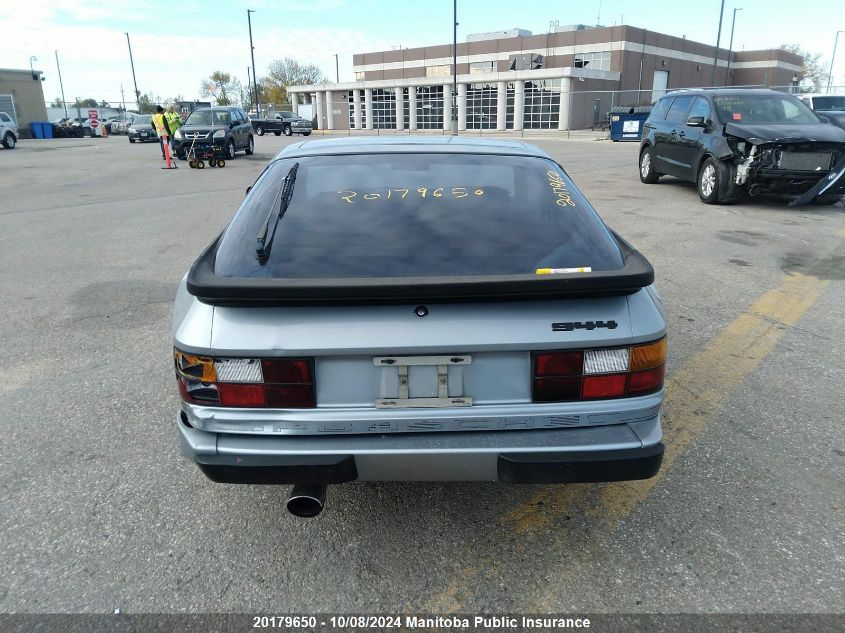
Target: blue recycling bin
47 129
36 129
626 122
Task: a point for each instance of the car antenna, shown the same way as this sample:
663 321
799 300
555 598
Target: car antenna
263 242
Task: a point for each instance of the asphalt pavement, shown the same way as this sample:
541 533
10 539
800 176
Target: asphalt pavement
98 511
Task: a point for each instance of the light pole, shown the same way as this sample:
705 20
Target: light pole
134 81
249 13
31 69
455 68
336 69
718 40
833 59
61 85
731 46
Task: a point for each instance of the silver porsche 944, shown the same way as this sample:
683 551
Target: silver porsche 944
418 309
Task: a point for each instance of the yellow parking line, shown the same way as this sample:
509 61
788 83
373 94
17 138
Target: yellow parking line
699 389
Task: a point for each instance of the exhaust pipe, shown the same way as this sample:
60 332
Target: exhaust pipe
307 500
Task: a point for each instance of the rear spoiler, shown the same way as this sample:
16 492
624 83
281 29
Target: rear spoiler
635 274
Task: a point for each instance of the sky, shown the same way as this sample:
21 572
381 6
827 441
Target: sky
175 44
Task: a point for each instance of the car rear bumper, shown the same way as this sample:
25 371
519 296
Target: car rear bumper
587 454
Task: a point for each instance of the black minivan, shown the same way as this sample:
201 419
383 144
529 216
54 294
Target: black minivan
227 127
738 142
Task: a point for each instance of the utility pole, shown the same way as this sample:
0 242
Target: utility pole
718 40
61 85
731 47
249 13
336 68
454 67
833 59
123 99
134 81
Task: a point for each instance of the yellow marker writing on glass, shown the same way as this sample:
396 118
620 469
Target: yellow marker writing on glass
557 271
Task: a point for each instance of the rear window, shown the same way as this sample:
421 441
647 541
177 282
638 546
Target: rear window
418 215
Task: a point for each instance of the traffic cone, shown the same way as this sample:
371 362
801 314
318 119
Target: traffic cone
166 145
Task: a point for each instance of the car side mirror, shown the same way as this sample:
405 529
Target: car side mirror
248 189
697 121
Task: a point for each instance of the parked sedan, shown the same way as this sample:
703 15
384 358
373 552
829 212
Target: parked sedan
430 309
141 129
739 142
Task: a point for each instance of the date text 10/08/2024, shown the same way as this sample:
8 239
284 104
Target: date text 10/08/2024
421 622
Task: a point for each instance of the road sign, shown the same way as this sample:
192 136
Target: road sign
94 117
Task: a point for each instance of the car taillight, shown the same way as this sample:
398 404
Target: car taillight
283 383
599 373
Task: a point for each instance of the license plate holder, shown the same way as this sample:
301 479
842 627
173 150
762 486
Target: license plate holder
443 398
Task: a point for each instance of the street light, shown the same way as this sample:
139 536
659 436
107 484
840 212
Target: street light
833 59
731 46
31 69
249 13
455 68
718 39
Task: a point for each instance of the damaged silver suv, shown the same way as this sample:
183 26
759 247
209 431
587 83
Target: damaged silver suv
743 142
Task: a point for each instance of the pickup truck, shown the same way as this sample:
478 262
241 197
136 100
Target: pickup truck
831 108
288 123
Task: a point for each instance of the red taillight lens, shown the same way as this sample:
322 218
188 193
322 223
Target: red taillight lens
296 371
557 389
642 382
558 364
604 386
241 395
245 382
290 396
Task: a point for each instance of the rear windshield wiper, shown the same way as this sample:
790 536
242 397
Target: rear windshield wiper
265 243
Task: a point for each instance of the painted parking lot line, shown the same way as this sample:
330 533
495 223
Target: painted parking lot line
693 395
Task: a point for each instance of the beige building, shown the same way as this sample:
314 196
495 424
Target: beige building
22 97
513 80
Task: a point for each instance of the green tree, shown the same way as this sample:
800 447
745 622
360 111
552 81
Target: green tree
57 103
87 103
287 72
147 103
222 86
813 71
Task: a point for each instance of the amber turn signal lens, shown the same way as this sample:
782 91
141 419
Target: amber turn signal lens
196 367
648 356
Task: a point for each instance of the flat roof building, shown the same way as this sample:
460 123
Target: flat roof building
511 80
22 97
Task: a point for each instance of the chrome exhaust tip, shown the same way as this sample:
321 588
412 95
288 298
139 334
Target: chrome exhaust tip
307 500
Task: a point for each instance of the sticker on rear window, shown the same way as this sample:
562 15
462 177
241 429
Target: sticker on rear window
560 190
455 193
558 271
737 116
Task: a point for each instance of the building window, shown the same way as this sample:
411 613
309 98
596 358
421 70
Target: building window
430 107
351 106
438 71
593 61
542 106
359 75
478 68
481 106
384 109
